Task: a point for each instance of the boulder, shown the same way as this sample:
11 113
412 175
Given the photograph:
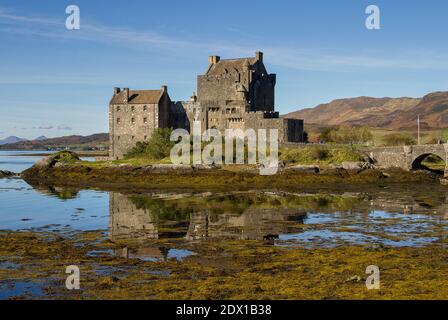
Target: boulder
58 158
357 165
7 174
303 168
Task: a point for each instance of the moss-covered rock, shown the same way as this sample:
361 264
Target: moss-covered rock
43 167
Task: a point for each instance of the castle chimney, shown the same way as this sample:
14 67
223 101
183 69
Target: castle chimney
126 95
164 89
116 90
213 59
259 56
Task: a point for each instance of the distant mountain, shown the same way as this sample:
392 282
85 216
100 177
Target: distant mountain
40 138
11 139
74 141
390 113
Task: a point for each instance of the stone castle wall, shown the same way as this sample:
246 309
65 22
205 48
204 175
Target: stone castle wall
130 123
223 116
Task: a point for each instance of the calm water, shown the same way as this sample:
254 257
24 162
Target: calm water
9 161
311 220
400 216
18 160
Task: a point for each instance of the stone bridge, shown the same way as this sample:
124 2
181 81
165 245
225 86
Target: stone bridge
407 157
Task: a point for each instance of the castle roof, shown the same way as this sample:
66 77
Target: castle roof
138 96
230 65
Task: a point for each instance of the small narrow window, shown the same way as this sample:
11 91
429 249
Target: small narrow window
145 108
132 120
132 137
118 120
132 108
118 108
145 120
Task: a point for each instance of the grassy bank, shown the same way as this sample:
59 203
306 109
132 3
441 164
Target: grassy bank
135 177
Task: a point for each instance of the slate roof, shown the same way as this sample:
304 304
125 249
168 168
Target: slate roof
139 96
230 65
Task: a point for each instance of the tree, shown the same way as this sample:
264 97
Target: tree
157 147
346 134
399 139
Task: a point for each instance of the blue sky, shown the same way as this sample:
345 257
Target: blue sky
55 82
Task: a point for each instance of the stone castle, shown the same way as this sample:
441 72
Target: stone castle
232 94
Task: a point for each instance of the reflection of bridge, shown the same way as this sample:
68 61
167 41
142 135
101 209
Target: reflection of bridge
407 157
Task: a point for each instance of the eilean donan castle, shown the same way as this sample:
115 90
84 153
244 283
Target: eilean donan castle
232 94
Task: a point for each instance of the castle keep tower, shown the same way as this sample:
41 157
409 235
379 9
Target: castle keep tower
241 82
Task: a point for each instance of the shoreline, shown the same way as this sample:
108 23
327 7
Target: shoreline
193 178
50 152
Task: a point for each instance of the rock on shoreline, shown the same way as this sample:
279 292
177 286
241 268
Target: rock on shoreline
7 174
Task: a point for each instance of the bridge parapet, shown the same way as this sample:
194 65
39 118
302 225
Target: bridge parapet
407 157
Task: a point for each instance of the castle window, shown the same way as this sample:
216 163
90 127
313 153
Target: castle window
118 108
145 108
145 120
145 137
118 120
132 108
132 137
132 120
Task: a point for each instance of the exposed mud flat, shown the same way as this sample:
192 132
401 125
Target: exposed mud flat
35 269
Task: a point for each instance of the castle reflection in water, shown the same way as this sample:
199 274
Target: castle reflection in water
128 219
140 218
264 216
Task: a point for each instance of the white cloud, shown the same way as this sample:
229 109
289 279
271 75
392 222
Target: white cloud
43 127
63 127
289 57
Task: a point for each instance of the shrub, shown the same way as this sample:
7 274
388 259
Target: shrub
313 154
66 157
319 153
346 134
399 139
157 147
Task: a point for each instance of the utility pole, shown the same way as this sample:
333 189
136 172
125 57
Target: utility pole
418 129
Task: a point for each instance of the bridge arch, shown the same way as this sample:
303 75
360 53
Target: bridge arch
408 157
418 159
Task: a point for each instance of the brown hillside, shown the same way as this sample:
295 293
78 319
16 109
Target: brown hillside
391 113
60 142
